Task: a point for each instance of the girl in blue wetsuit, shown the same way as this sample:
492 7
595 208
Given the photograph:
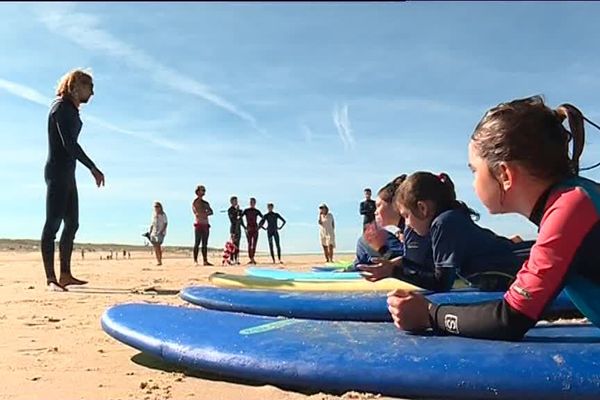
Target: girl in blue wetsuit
382 238
519 155
460 248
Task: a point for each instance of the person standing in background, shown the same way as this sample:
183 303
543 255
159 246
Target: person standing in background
271 218
326 231
158 231
235 229
367 209
251 213
201 209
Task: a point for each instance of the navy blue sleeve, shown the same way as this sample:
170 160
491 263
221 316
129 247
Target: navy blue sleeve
417 250
362 254
67 122
437 280
448 241
417 266
395 247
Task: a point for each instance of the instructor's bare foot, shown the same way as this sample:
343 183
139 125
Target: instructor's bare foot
56 287
65 281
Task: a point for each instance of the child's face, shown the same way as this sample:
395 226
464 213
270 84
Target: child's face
419 223
486 186
385 214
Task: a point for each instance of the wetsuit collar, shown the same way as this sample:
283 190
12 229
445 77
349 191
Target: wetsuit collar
393 229
540 205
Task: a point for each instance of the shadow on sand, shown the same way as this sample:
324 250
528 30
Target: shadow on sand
156 363
147 291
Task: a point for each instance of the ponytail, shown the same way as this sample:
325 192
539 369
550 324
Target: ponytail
576 135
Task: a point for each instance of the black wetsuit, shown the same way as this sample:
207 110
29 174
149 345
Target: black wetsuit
235 218
251 227
62 204
367 209
272 231
201 233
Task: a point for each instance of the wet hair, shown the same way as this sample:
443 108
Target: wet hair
425 186
386 193
532 134
69 83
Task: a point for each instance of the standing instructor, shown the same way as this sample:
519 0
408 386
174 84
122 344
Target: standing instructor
62 204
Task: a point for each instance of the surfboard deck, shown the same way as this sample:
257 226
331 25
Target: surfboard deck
300 276
337 356
350 285
341 306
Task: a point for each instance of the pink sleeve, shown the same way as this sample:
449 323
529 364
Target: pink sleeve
564 225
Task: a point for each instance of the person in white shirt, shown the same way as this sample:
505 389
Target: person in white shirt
158 230
326 231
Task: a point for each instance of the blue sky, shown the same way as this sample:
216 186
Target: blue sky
294 104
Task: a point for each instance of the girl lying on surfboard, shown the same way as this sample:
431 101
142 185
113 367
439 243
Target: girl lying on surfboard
519 155
382 238
461 249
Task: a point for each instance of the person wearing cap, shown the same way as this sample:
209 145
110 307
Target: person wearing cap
326 231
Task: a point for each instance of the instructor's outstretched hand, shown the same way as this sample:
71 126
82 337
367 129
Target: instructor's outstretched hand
98 176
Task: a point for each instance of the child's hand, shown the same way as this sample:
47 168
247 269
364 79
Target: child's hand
381 268
516 239
409 310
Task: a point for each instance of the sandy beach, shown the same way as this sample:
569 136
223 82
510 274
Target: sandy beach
54 348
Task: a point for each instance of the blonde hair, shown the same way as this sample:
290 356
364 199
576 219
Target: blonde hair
69 83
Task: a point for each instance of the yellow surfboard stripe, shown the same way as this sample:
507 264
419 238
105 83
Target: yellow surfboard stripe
359 285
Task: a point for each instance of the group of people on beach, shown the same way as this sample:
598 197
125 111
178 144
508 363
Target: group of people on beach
523 161
250 219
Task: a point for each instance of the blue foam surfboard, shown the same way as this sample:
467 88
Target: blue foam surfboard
300 276
342 306
338 356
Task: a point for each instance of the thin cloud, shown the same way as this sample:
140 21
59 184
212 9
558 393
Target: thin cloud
342 123
168 144
36 97
87 34
24 92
